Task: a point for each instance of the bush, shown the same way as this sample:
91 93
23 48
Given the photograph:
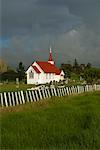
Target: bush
9 76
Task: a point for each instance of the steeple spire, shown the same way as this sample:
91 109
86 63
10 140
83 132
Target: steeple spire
50 50
50 57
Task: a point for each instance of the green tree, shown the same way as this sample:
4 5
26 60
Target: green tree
67 68
21 71
82 67
76 67
91 75
10 75
88 65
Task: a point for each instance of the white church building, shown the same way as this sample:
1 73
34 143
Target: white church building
41 72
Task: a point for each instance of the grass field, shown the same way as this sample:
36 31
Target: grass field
13 87
59 123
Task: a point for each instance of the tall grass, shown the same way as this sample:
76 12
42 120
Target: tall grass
58 123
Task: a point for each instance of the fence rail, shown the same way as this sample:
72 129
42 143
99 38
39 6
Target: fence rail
21 97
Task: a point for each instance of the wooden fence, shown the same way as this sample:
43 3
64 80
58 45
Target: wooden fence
21 97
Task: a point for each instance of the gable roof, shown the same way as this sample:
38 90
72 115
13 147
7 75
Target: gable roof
48 68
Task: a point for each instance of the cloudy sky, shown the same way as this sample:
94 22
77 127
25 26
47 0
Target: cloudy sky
29 27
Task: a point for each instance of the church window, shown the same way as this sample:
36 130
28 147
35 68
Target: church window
31 75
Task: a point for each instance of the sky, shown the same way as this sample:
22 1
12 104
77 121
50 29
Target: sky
28 28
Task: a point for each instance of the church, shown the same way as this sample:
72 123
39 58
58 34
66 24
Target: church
41 72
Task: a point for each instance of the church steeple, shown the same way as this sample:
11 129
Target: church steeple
50 60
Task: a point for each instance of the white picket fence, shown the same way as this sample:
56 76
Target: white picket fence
21 97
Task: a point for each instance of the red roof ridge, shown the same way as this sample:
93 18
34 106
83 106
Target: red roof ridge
48 68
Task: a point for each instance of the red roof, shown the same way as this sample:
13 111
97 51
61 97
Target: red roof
48 68
36 69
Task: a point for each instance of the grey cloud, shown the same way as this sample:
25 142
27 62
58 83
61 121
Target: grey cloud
72 27
48 16
88 10
81 43
23 17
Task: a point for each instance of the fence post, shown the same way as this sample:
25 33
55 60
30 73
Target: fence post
86 88
40 94
58 92
95 87
52 92
70 91
13 98
67 91
43 93
19 97
30 94
16 98
63 91
9 99
5 96
1 95
33 99
27 98
75 89
36 95
49 92
46 93
22 94
55 92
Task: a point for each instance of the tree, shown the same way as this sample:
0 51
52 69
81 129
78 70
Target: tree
91 75
21 71
76 66
82 67
67 68
3 66
88 65
10 75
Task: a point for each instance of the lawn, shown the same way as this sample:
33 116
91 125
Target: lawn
14 87
59 123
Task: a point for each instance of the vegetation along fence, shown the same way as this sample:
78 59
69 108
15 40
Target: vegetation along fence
21 97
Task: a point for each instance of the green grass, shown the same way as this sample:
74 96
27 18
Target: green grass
13 87
59 123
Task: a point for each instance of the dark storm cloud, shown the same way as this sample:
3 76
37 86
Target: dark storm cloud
88 10
17 16
48 16
22 17
72 27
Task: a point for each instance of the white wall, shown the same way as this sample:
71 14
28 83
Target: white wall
41 78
